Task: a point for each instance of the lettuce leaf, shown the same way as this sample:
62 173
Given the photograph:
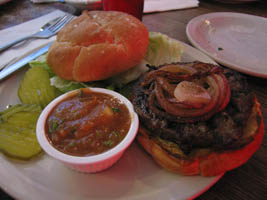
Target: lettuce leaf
41 62
66 85
130 75
163 49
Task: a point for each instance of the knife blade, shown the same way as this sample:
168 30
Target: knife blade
23 61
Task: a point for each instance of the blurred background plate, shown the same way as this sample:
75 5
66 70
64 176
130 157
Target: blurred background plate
235 40
4 1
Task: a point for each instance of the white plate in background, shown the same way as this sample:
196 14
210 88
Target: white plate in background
235 40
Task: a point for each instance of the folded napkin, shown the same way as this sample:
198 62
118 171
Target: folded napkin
80 4
24 29
165 5
46 1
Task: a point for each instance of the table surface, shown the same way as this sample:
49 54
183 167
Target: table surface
246 182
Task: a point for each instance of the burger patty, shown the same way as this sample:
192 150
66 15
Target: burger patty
222 131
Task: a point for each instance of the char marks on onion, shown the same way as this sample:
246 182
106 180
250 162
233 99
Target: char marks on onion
210 91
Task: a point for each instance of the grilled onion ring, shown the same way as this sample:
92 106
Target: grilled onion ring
165 79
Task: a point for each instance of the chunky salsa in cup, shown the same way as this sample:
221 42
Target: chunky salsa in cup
87 123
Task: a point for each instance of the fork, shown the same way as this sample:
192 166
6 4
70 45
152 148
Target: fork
46 31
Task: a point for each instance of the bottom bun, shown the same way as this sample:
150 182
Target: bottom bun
206 162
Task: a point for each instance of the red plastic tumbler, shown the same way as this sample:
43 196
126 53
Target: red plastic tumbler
133 7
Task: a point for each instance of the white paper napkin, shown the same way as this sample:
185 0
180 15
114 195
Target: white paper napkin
21 30
165 5
44 1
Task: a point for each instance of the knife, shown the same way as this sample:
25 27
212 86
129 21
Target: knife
23 61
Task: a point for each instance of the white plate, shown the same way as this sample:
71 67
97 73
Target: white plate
135 176
238 41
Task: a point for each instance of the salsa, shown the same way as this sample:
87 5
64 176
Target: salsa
87 123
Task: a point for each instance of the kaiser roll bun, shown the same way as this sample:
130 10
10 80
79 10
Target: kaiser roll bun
98 45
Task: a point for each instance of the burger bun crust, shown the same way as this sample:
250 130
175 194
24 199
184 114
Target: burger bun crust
98 45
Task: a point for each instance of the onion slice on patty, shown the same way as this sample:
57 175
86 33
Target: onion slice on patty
191 93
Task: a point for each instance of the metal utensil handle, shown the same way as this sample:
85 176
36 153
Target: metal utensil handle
5 46
23 61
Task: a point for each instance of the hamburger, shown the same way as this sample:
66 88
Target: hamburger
197 118
98 45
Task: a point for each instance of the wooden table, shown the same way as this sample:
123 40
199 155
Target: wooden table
248 182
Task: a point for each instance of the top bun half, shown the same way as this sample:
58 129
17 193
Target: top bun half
98 45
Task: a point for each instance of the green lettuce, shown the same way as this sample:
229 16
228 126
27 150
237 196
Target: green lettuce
41 62
163 49
130 75
66 85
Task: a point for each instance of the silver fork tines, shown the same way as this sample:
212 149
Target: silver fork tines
47 31
52 30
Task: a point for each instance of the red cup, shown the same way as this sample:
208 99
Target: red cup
133 7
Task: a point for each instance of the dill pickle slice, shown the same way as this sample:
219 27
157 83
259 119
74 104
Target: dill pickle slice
35 87
5 114
17 131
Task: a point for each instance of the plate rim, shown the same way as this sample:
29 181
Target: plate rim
224 62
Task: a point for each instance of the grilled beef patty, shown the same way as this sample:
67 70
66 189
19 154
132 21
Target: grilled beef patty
222 131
